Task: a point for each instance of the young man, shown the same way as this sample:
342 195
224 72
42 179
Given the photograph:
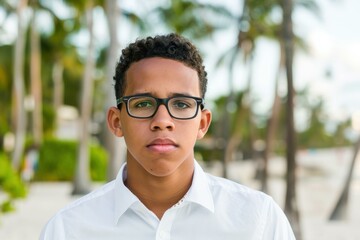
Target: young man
161 192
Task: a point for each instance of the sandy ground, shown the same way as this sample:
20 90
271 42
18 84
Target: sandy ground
321 175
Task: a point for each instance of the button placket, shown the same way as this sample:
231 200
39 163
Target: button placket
164 228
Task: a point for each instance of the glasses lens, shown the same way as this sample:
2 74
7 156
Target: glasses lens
142 106
182 107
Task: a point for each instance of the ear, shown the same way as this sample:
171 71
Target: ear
204 123
113 121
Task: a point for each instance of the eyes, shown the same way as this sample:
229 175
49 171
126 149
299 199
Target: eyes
182 103
141 103
177 103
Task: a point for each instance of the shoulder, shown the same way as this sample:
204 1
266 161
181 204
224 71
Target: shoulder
240 202
91 206
226 186
234 197
95 197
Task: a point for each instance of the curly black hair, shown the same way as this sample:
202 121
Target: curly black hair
171 46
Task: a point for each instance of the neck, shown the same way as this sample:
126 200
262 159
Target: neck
159 194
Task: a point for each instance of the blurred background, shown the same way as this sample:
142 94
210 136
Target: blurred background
284 83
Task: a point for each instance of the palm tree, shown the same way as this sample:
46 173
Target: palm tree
192 18
291 206
112 13
19 116
272 123
287 42
35 76
231 142
340 210
81 184
253 23
274 32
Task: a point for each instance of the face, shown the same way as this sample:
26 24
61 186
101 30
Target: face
160 146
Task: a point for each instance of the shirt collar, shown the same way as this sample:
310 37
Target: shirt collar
124 198
198 193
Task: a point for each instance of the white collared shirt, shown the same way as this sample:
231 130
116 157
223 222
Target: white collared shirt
213 208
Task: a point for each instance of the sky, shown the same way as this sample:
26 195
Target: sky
334 44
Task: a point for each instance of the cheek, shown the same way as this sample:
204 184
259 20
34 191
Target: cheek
134 132
126 129
191 134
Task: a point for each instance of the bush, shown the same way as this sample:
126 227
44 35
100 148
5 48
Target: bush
57 161
10 184
48 113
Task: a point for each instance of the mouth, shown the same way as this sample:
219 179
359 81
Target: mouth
162 145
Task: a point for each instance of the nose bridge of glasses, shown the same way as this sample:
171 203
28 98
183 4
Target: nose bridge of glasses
162 101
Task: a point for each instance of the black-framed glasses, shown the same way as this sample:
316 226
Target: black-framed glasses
145 106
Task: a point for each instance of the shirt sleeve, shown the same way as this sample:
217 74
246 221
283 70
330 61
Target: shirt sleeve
276 225
53 230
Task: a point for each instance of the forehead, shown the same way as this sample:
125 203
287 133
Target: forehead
161 76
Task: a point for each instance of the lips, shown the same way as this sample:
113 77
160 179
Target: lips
162 145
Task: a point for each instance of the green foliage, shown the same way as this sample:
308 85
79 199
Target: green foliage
98 163
208 151
57 161
316 135
48 113
5 87
10 184
194 19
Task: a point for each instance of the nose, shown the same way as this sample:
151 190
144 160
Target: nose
162 119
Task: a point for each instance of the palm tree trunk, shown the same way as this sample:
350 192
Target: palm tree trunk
82 175
291 206
340 210
115 147
227 123
269 141
19 114
57 76
272 126
248 104
36 88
